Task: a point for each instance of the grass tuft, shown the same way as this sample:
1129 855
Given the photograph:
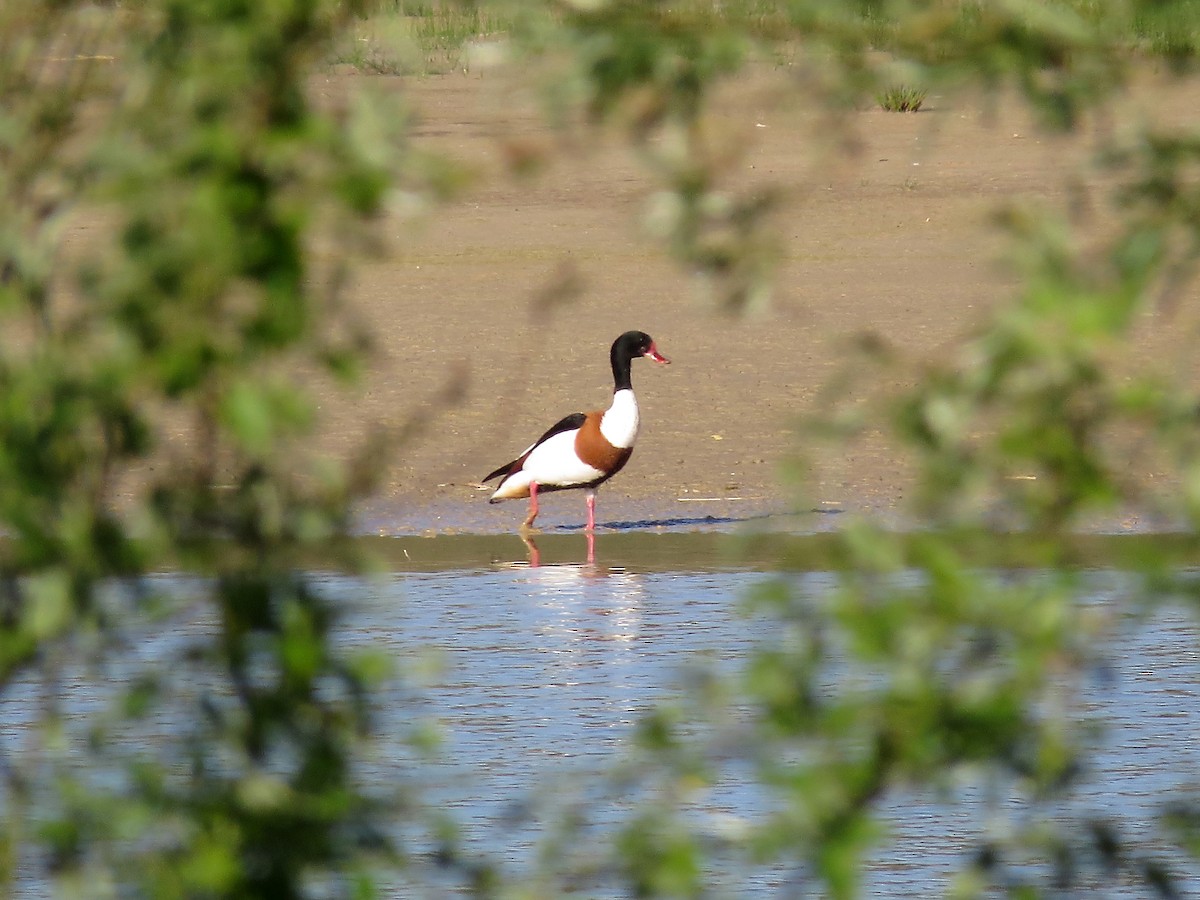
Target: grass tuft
421 37
901 98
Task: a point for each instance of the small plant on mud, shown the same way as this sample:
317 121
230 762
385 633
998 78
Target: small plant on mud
901 98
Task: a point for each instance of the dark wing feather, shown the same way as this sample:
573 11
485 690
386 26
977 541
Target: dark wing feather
567 423
503 470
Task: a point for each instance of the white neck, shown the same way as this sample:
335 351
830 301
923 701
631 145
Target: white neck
620 423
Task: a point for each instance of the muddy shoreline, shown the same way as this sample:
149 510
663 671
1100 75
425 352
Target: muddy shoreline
888 231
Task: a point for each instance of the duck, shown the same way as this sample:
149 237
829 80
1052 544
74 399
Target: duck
582 450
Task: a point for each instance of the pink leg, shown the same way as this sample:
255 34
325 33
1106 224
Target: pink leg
591 539
591 501
533 507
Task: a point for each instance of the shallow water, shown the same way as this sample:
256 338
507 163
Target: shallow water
546 669
537 674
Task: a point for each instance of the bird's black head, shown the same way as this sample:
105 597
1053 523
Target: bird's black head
633 344
626 349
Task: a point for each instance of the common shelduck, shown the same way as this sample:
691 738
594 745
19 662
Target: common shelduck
583 450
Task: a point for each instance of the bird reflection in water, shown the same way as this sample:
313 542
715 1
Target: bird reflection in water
584 608
535 556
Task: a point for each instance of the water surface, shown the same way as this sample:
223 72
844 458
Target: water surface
546 670
536 676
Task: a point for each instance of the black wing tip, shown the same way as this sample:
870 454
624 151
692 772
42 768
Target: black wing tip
503 470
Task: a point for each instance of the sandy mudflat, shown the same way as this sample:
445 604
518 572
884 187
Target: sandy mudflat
887 233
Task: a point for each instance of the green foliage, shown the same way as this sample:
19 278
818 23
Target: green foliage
144 425
150 416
